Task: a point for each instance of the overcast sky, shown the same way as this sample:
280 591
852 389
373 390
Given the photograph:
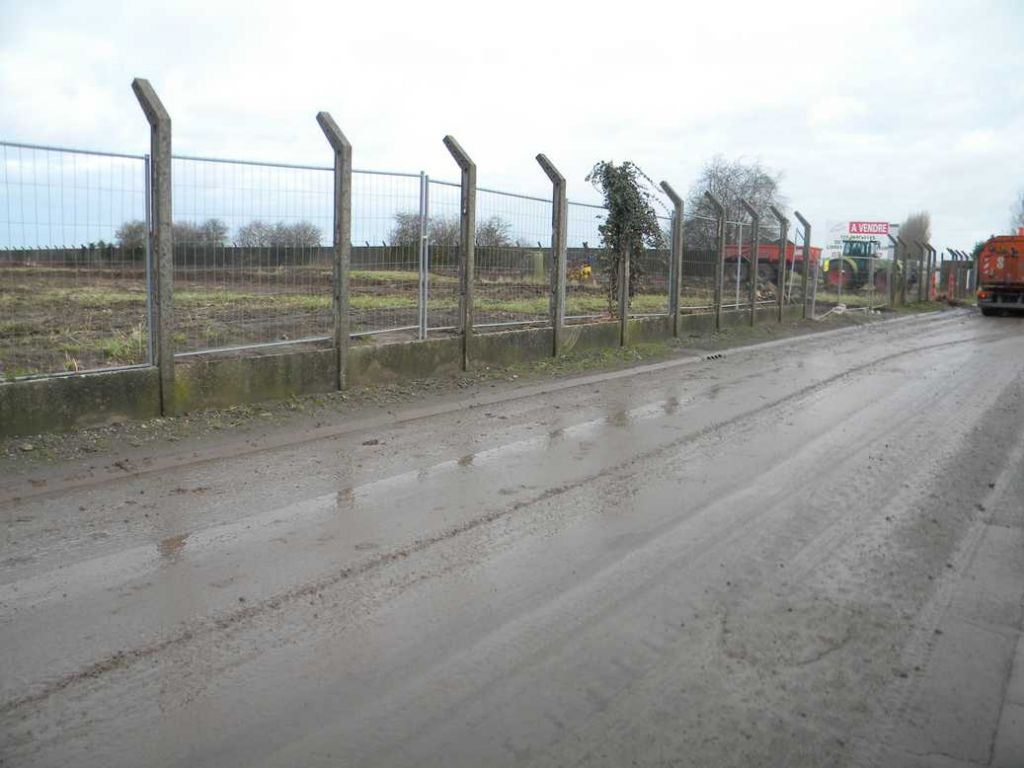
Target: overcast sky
871 110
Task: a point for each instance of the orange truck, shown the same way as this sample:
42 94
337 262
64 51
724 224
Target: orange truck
1001 274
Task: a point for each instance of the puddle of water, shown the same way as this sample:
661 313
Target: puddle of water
103 571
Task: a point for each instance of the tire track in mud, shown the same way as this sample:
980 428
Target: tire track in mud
923 640
684 555
34 488
210 625
842 526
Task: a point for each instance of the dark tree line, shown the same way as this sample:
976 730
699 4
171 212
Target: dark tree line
445 230
214 232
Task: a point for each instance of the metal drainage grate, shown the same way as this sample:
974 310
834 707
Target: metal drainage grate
716 356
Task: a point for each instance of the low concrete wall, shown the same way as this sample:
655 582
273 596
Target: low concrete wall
579 338
214 382
506 347
647 329
700 325
378 364
68 402
83 400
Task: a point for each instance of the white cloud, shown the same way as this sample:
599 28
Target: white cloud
836 111
872 109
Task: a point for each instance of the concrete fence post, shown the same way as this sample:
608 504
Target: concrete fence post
921 269
927 271
675 264
958 265
962 271
965 274
161 246
783 243
342 241
806 260
905 262
755 255
467 242
954 271
933 265
892 270
719 256
559 246
969 272
961 275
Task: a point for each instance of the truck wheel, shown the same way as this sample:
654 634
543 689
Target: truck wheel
730 271
766 273
987 311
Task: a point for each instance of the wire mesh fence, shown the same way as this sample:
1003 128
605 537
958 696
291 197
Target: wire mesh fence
697 290
384 281
253 262
794 291
650 278
736 267
71 297
773 265
513 264
586 281
861 276
250 264
444 203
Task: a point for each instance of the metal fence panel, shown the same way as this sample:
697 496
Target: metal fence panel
650 268
442 268
773 267
586 284
861 282
252 260
72 296
253 264
738 255
697 289
512 276
384 282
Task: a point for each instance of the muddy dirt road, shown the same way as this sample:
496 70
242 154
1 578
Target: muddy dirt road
809 553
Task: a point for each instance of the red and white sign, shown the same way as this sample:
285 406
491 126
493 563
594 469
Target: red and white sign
869 228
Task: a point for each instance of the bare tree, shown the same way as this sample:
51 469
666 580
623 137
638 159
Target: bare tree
445 230
260 234
406 230
917 227
131 235
301 234
255 234
730 181
494 232
212 232
1017 212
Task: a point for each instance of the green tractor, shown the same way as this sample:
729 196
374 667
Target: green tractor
858 267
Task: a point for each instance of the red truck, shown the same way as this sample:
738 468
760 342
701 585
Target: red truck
1001 274
767 259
